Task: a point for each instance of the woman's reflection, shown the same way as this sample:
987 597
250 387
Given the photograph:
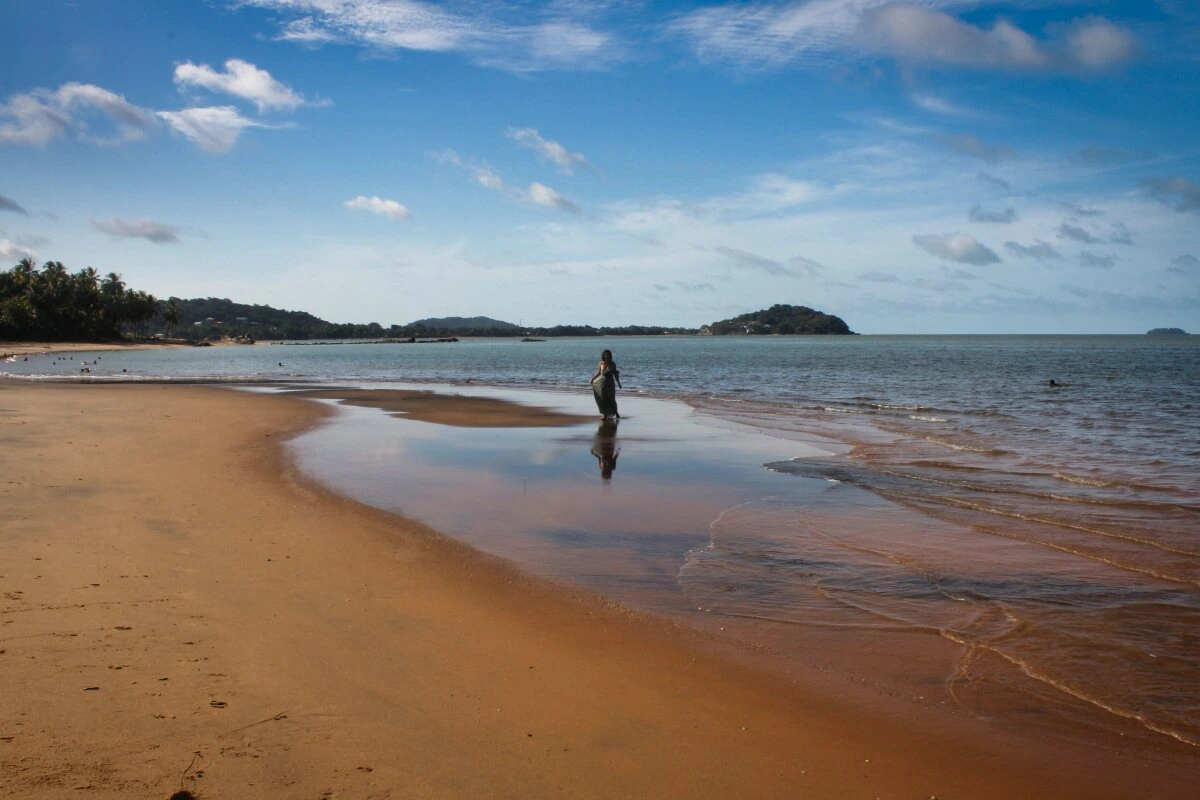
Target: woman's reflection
605 449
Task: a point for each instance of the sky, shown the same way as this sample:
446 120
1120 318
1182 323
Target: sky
915 166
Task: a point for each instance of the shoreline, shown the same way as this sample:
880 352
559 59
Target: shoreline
172 586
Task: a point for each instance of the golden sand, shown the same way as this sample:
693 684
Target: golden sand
180 610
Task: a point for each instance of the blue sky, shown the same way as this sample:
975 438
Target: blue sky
932 166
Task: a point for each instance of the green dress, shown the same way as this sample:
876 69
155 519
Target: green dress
604 386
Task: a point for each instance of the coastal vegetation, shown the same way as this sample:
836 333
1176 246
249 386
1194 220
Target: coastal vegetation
52 304
1166 332
780 319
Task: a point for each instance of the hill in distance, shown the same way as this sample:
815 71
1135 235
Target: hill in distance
463 323
215 318
780 319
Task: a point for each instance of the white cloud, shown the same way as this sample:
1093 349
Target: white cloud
11 251
548 149
38 117
545 196
214 129
1097 44
771 35
377 205
912 33
483 174
938 105
491 34
243 80
960 247
537 193
140 228
764 36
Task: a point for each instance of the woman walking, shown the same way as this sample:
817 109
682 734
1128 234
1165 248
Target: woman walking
604 385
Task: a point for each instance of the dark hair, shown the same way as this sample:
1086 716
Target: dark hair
606 355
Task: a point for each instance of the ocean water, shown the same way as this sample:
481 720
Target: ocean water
1038 545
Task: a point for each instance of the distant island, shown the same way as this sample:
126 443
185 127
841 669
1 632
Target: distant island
781 319
52 304
1167 332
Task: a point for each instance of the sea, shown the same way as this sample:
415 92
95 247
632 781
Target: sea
1005 528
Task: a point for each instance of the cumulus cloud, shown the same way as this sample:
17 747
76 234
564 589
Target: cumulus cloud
214 129
139 228
1178 192
548 149
543 195
1076 233
561 35
980 214
812 33
1097 44
8 204
11 251
916 34
1094 261
959 247
1039 251
377 205
537 193
483 174
240 79
36 118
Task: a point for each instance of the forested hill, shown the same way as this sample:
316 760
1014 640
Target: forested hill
53 304
780 319
463 323
214 318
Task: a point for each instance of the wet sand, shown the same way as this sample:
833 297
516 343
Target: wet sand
180 609
23 349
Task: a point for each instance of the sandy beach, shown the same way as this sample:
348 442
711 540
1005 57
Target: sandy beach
22 349
180 609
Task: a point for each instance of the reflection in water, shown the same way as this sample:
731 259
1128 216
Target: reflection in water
605 449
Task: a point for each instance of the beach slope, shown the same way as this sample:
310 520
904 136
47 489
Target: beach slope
180 610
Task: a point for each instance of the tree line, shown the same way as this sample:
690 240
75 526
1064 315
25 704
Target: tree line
49 303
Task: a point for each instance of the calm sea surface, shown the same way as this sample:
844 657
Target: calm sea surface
1043 541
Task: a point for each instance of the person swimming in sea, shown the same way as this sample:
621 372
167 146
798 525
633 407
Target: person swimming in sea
605 383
